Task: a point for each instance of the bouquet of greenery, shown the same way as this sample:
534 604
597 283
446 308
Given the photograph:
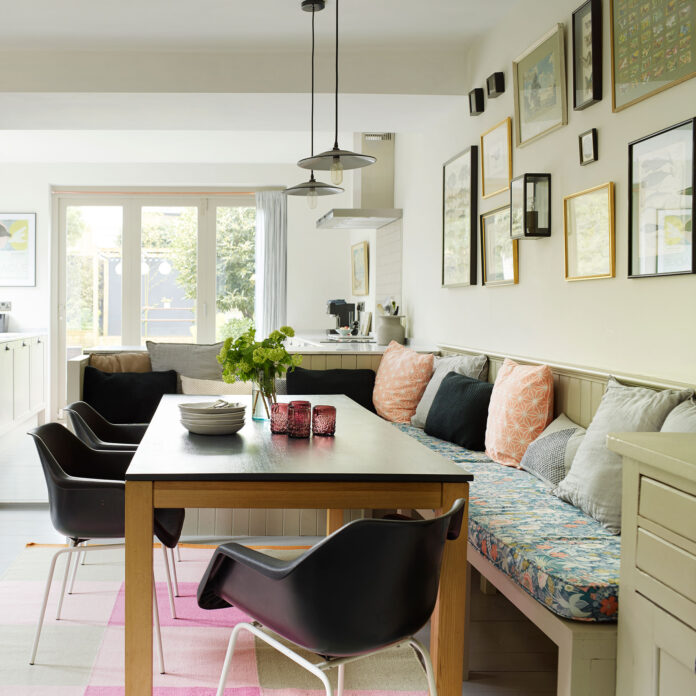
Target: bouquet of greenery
248 360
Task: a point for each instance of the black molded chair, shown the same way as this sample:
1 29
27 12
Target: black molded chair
370 585
86 496
100 434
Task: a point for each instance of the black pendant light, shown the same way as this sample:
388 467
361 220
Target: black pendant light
336 160
312 188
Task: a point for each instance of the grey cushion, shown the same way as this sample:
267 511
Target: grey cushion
474 366
593 483
682 419
549 456
197 360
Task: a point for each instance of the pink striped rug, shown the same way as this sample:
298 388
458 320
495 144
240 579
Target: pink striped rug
82 654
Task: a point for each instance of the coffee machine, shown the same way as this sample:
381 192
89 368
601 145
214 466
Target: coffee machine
344 313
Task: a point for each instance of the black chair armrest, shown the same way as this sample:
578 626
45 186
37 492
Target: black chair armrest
271 567
109 464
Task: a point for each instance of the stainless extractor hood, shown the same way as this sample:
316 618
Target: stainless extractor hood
373 189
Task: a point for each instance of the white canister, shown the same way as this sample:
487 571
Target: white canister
389 328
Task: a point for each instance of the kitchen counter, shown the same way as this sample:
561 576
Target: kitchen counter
19 335
312 344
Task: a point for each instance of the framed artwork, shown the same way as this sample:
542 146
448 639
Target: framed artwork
496 159
587 54
459 216
17 249
587 145
359 268
476 106
661 202
499 253
653 47
539 78
588 226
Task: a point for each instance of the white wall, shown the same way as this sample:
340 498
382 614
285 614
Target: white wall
316 259
642 326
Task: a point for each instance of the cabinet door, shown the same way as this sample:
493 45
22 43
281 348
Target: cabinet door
20 359
36 374
6 385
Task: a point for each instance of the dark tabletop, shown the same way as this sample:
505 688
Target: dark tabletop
365 448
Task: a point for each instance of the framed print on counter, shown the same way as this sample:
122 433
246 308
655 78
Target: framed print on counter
359 268
459 217
496 159
661 202
587 54
17 250
588 226
539 78
499 253
653 47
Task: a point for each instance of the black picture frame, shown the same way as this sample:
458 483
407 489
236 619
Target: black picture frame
592 133
476 106
495 85
587 54
649 181
468 158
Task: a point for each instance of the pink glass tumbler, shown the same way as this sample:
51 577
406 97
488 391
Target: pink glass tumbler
299 418
324 420
279 418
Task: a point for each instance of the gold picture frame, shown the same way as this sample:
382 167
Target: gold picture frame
493 158
650 50
539 74
359 269
588 233
499 252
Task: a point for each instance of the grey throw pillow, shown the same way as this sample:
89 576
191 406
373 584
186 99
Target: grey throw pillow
549 456
593 483
197 360
682 419
474 366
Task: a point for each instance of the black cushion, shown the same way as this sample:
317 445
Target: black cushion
460 411
127 397
356 384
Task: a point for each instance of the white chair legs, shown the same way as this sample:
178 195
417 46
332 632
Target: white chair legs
158 630
319 670
165 555
178 555
174 576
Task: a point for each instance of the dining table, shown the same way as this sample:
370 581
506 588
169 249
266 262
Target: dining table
368 464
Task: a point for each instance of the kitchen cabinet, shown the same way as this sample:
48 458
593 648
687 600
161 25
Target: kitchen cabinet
6 386
657 605
21 384
37 376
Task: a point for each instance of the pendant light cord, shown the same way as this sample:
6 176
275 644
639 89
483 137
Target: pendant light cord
336 97
311 145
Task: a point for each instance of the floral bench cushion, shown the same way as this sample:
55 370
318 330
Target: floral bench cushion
560 556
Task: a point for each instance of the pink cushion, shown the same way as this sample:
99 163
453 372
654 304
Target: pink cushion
521 407
401 380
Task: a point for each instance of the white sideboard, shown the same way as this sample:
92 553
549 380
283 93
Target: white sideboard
657 599
22 379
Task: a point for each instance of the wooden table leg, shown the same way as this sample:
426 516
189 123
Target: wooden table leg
334 520
138 630
449 618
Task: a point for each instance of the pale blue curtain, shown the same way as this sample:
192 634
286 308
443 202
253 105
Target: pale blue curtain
271 262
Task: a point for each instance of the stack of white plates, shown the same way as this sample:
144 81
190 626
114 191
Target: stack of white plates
212 417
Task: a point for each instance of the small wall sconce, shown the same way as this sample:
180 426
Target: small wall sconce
476 101
530 206
495 85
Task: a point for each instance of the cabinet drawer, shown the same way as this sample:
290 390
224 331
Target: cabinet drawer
667 506
667 563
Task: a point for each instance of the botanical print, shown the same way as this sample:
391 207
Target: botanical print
586 56
587 149
17 249
359 268
654 46
662 202
457 217
589 234
499 250
495 158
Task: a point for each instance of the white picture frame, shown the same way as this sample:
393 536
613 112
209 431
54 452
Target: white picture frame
17 250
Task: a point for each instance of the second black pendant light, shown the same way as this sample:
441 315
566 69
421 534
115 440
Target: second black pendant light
336 160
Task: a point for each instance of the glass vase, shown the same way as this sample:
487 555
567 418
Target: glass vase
263 394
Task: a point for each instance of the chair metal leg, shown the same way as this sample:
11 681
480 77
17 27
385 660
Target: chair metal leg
178 553
174 576
341 679
80 556
427 663
158 630
172 608
68 561
83 558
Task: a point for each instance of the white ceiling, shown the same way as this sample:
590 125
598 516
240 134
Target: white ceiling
236 25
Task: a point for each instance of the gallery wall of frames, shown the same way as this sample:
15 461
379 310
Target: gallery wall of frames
574 161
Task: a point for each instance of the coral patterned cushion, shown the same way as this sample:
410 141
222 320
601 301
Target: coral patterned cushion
401 380
521 407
